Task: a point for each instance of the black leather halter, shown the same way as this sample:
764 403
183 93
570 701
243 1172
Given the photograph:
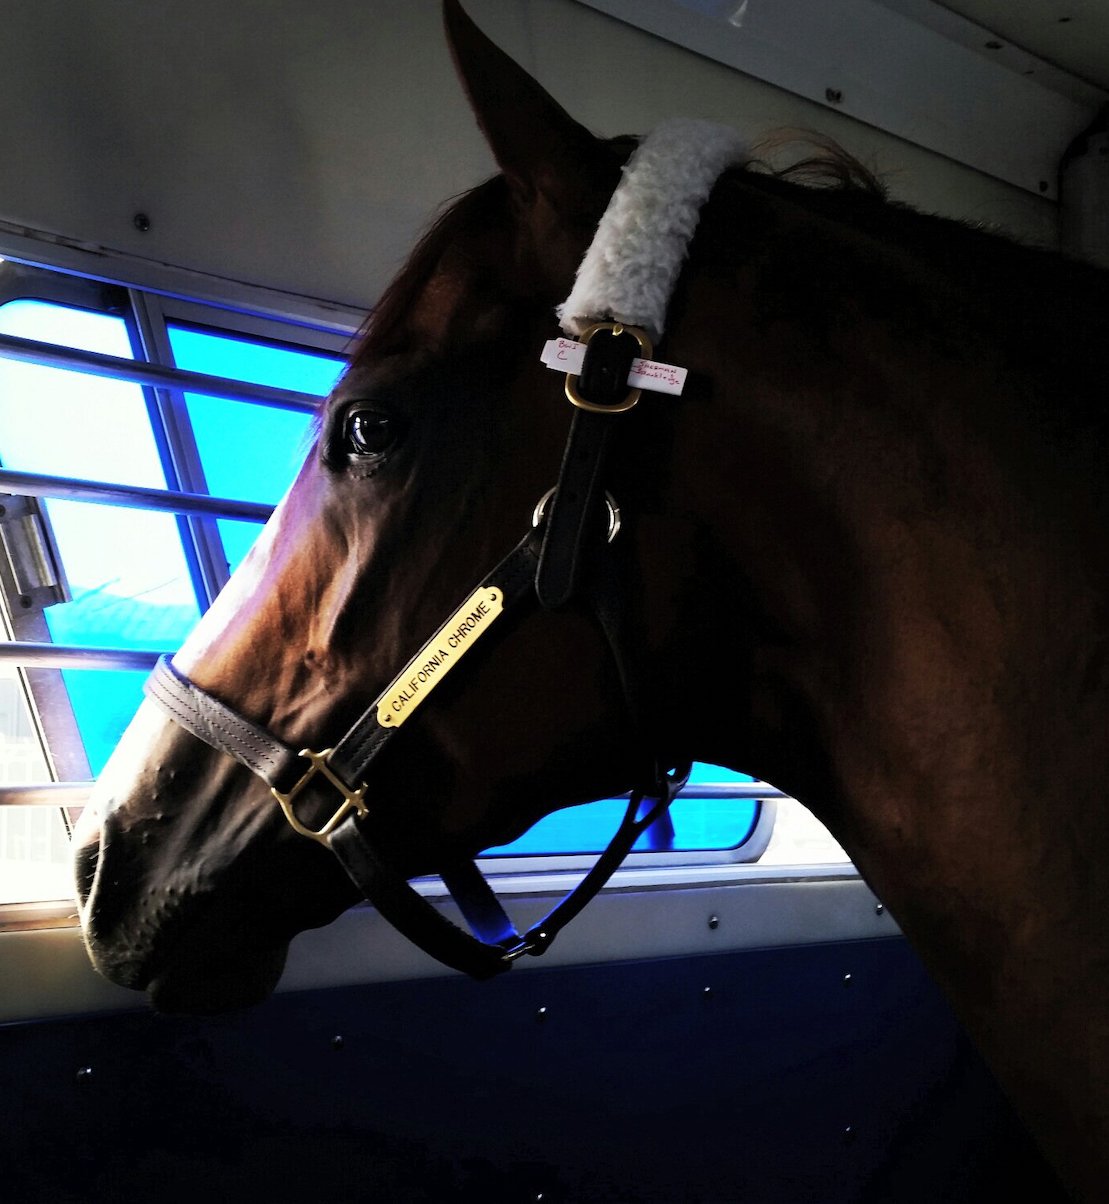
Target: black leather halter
560 560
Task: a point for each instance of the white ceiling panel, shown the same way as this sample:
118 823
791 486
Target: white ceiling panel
1071 34
914 68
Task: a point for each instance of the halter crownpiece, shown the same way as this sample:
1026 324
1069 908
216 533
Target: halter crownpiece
632 265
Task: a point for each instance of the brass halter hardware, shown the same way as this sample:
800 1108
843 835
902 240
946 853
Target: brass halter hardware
352 799
632 398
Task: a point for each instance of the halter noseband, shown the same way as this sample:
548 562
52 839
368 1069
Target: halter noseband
649 221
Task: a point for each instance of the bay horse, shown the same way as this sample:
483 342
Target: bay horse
862 556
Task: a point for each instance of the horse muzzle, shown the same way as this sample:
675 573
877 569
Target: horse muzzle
146 879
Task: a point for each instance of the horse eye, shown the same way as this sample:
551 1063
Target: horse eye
369 432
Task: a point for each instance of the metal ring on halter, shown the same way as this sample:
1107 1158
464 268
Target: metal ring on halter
540 511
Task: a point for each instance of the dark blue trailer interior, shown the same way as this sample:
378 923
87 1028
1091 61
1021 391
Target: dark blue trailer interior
823 1073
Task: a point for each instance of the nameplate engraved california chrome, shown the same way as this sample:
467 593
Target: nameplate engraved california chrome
439 656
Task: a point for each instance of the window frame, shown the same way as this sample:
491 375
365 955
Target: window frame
145 316
43 688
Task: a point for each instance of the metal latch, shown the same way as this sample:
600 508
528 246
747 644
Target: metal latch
31 568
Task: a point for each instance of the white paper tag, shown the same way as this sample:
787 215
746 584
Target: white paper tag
567 355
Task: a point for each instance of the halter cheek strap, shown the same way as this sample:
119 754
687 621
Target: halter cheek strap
280 765
627 276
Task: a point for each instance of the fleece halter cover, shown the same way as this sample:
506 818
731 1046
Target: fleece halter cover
630 270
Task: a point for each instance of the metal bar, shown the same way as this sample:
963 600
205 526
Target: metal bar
746 790
69 656
45 794
37 484
54 356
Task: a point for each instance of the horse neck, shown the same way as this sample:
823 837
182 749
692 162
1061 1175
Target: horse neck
929 674
902 500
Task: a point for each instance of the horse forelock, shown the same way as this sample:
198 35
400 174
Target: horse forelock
385 323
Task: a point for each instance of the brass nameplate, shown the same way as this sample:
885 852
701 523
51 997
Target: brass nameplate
439 656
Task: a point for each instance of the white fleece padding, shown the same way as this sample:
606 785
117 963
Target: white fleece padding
632 265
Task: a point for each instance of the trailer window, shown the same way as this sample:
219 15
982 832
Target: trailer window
131 580
128 578
711 814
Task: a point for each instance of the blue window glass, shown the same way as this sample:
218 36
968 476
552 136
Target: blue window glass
249 452
126 568
698 823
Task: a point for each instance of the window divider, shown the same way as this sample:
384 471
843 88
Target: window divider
181 463
108 493
28 654
95 363
45 794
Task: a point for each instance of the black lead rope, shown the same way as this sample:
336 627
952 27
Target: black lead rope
495 943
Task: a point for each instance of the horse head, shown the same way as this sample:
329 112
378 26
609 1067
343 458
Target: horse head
432 454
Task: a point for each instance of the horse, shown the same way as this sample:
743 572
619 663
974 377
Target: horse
861 556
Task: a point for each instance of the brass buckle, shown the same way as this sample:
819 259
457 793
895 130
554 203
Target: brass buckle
645 352
352 799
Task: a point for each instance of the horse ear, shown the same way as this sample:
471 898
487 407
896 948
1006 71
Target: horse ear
536 143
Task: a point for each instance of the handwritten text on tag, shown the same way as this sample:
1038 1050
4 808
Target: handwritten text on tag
567 355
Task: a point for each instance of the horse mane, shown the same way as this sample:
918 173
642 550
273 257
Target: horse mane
824 163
